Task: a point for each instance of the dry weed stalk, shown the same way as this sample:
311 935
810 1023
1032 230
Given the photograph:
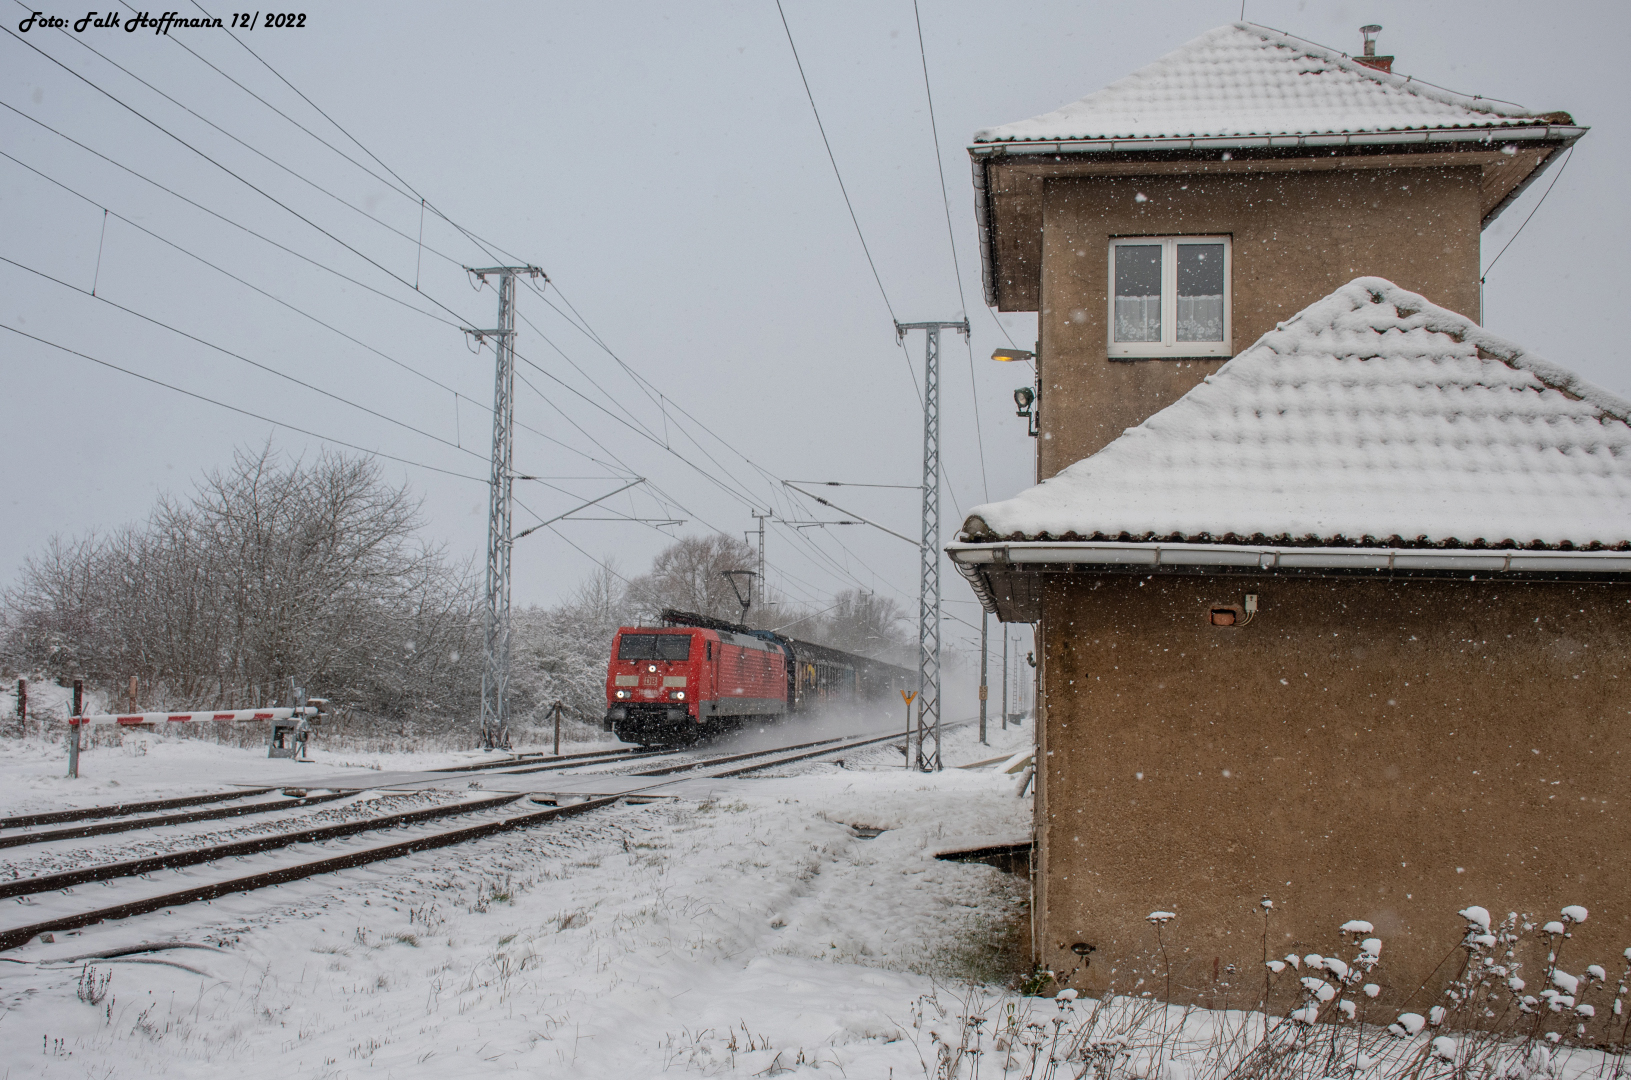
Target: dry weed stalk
1486 1026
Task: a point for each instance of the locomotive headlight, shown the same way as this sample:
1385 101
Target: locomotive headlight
651 667
679 695
621 694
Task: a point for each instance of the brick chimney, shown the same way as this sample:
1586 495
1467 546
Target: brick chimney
1370 59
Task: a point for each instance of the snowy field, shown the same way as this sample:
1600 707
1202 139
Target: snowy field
753 933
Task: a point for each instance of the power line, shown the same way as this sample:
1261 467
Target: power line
580 323
242 180
662 400
1532 213
236 409
646 386
834 159
252 232
238 356
246 145
951 234
271 296
742 496
222 217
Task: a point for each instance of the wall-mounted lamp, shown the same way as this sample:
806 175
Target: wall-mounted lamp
1010 355
1025 399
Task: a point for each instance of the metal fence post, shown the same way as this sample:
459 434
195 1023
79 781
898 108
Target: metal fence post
558 729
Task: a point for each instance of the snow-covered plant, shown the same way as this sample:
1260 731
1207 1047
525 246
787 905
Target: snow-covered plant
92 986
1486 1026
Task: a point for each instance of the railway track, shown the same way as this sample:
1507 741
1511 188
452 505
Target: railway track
122 887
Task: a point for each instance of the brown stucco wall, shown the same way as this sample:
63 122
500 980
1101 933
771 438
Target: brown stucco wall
1361 750
1296 238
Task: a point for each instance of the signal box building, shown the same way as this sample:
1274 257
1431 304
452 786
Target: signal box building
1330 583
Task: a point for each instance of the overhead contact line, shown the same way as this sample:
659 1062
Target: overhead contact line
242 412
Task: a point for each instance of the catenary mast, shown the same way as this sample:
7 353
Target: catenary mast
495 671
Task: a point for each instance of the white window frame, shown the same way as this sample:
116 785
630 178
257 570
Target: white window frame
1169 346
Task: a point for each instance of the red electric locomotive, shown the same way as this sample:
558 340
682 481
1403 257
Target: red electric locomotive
699 676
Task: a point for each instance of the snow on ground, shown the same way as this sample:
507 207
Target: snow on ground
742 935
158 765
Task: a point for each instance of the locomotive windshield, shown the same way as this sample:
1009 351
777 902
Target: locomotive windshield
654 647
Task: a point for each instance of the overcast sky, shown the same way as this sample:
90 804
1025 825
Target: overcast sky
662 164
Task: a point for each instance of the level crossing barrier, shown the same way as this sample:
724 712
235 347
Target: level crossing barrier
223 716
288 726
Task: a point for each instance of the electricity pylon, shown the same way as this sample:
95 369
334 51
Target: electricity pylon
928 591
495 672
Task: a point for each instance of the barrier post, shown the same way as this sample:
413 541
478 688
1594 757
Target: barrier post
907 696
73 730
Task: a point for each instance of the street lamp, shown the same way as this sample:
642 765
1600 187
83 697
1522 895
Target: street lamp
1025 397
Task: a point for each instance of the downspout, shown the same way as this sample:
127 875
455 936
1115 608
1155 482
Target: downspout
982 225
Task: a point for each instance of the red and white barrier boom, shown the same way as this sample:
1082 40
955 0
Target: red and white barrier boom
225 716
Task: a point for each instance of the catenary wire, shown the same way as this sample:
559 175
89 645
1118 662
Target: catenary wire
834 159
241 411
246 145
292 307
951 234
222 217
343 244
415 195
579 323
246 182
239 356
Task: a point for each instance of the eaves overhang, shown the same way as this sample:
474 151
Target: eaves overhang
1565 133
1542 142
1007 576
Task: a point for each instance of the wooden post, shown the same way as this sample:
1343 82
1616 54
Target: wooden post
557 729
73 729
984 692
133 693
22 704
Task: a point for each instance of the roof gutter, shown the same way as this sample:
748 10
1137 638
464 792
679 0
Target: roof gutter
1564 133
982 225
977 561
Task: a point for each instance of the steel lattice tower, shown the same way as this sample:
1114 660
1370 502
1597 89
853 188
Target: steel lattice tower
928 596
495 672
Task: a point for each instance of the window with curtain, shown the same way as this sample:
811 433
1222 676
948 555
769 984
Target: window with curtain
1170 297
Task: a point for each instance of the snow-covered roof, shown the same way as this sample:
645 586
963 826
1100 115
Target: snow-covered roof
1372 416
1245 80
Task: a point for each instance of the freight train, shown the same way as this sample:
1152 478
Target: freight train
696 676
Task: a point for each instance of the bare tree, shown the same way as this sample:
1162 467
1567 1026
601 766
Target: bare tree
270 573
560 653
689 575
864 623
